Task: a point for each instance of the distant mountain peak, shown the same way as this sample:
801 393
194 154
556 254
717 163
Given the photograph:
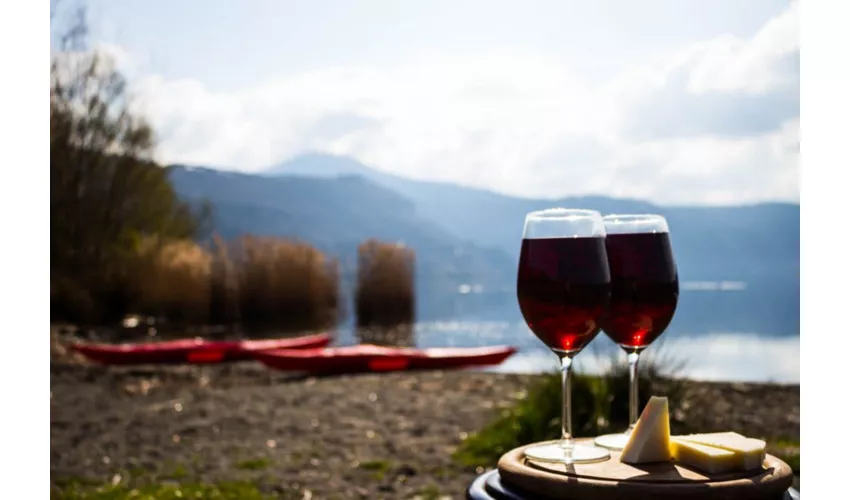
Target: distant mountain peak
320 164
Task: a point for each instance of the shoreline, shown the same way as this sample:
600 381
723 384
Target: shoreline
360 436
528 360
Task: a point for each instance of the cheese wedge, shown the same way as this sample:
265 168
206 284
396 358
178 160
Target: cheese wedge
705 458
650 439
749 452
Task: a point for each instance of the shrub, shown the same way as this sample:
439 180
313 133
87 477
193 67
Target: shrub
384 293
262 284
285 284
599 406
174 281
224 286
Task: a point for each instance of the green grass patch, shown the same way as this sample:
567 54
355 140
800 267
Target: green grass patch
177 473
430 492
379 468
195 491
137 472
254 464
787 450
76 482
793 460
599 405
442 472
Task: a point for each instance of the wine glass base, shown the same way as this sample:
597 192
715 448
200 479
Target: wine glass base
614 442
556 452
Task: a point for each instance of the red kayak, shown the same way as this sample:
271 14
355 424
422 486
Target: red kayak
193 350
371 358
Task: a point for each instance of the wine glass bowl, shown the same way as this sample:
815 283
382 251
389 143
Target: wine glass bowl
563 290
644 281
562 303
644 294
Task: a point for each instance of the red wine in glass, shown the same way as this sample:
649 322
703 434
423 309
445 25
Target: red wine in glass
562 287
562 290
644 294
644 288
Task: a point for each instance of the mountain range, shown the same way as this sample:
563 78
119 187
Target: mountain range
470 236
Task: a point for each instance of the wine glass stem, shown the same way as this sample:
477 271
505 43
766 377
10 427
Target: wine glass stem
566 410
633 390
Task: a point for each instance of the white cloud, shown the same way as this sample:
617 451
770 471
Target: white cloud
715 123
761 64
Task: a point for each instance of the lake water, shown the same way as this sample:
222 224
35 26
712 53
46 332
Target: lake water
722 331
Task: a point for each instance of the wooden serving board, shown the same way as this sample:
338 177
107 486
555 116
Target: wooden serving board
614 480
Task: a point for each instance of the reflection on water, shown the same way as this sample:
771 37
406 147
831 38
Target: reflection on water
769 307
684 285
740 357
759 319
395 336
726 286
704 356
722 357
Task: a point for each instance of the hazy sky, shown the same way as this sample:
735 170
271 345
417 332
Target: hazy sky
675 101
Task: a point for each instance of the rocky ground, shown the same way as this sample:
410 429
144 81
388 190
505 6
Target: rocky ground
368 436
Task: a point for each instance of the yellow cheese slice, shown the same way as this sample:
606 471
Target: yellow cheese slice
650 439
705 458
749 452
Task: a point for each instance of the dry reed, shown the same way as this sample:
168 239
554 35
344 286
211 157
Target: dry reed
269 284
384 294
263 284
224 286
284 283
173 281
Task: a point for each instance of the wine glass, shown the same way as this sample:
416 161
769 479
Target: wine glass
644 294
563 288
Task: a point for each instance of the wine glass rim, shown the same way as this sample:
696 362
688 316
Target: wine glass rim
635 223
632 218
563 213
